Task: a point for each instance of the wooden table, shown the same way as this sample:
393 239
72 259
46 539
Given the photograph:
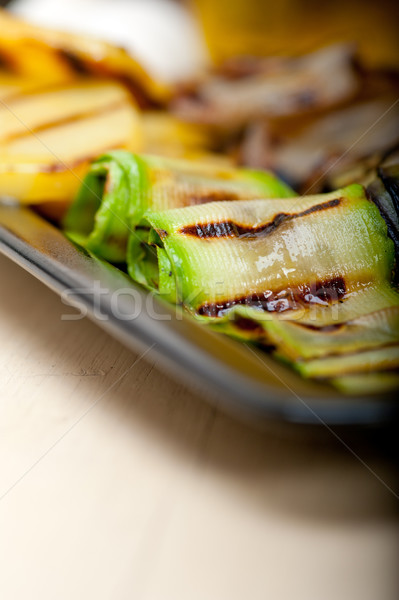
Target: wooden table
117 483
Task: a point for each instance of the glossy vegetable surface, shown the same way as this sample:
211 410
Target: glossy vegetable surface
309 277
120 187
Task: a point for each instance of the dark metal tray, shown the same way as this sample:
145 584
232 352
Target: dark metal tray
238 377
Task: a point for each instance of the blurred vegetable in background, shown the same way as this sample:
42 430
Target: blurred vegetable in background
312 118
267 28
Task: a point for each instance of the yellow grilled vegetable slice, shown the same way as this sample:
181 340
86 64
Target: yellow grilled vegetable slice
55 57
12 85
166 135
48 137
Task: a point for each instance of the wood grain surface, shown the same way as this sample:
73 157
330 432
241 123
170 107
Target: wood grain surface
117 483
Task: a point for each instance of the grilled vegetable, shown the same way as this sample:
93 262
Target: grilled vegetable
267 247
165 135
388 204
49 136
317 157
367 383
390 178
279 87
347 327
52 57
121 187
378 359
12 85
317 120
310 276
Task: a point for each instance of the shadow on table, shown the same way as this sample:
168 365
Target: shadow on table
339 475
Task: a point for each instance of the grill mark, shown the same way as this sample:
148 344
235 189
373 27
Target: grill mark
320 292
214 196
36 90
65 165
83 66
231 229
321 328
74 62
162 233
65 121
138 91
249 325
6 61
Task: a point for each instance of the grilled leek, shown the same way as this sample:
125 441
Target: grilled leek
251 253
120 187
310 277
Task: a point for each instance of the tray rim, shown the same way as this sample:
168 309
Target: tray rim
185 349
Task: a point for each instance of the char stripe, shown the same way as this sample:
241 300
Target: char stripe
5 61
74 62
320 292
214 196
68 119
231 229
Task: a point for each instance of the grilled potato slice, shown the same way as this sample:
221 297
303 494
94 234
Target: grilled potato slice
56 57
12 85
49 136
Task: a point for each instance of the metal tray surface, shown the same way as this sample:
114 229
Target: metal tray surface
239 378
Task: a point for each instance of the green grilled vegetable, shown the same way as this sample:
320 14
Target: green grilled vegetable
304 252
378 359
306 338
120 187
367 383
310 277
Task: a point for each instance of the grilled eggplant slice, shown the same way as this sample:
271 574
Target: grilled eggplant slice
390 178
120 187
286 87
327 152
384 192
